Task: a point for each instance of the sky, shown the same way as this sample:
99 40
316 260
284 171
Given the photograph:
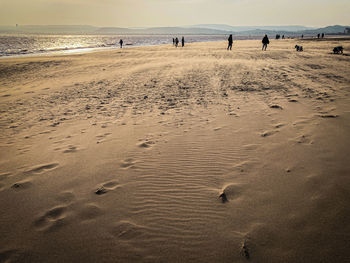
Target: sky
148 13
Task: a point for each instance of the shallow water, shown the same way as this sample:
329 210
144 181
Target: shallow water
24 44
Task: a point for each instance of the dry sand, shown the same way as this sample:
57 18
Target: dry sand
121 156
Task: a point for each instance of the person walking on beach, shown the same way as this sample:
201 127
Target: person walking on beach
230 41
183 42
121 43
173 41
176 42
265 42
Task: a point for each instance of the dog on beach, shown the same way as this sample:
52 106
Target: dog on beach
338 50
298 48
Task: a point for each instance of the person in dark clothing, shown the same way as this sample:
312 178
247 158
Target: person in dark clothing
302 36
322 35
282 36
183 42
176 42
265 41
173 41
230 41
121 43
318 35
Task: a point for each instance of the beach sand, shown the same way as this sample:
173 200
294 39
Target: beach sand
163 154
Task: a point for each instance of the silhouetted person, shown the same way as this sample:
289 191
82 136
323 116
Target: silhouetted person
230 41
121 43
318 35
176 42
282 36
265 41
183 42
173 41
302 36
322 35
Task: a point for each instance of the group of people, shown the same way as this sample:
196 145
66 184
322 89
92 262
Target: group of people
318 35
176 42
265 42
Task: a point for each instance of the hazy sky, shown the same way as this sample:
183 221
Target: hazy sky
133 13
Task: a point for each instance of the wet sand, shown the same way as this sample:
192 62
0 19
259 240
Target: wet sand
195 154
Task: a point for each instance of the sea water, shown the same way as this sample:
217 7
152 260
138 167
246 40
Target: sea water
25 44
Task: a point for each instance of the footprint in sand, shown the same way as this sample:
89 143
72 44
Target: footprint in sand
102 136
22 185
232 113
52 219
328 116
275 106
71 149
245 249
45 132
110 186
230 192
146 144
127 163
41 168
268 133
279 125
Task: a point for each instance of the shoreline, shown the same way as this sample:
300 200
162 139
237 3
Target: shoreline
100 48
83 50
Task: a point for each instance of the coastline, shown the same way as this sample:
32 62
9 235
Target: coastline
132 41
82 50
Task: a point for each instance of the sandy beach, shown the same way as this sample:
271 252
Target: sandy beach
163 154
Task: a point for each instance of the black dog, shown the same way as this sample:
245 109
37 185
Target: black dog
338 50
299 48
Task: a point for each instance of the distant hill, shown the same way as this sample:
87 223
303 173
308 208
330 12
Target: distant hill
327 30
249 28
202 29
113 30
160 30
